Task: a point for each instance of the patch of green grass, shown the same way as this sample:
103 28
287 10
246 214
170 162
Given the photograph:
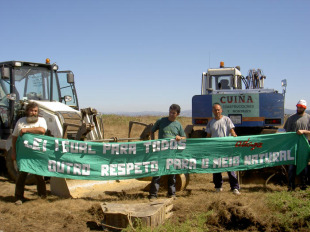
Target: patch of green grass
194 223
291 209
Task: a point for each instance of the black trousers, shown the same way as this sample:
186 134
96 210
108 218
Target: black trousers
20 185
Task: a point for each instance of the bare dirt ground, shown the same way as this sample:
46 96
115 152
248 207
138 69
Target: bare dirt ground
232 213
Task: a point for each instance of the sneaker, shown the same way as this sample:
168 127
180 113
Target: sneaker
18 202
218 190
236 192
152 198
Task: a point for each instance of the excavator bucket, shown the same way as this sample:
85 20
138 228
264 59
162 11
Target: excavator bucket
69 188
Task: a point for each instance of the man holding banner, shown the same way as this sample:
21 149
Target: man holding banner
300 123
34 125
222 126
168 127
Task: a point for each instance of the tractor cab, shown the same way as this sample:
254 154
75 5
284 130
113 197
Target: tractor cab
230 79
22 81
221 79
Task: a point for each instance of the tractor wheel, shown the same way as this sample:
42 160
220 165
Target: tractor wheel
13 170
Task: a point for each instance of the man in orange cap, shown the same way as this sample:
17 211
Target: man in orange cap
300 123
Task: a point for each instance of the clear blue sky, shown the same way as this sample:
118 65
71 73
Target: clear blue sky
144 55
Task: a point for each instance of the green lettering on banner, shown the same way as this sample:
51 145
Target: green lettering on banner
48 156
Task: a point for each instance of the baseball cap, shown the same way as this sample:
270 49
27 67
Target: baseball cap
302 104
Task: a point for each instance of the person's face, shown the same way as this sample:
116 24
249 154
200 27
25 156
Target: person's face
33 112
300 110
217 111
173 114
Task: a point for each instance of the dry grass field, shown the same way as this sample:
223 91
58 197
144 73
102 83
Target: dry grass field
198 208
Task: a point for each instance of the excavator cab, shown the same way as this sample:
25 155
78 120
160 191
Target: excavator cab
21 82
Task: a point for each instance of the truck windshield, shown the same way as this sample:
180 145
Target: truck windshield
222 82
32 83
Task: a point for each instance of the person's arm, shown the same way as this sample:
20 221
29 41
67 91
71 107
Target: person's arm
208 130
286 125
232 132
13 155
152 135
34 130
154 129
181 134
303 132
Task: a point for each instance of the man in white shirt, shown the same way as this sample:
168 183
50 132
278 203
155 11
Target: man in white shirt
222 126
33 124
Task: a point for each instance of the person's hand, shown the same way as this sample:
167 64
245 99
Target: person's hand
178 138
300 132
22 131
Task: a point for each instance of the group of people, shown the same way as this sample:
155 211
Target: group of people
222 126
168 127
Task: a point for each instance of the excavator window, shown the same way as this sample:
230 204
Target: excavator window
4 105
32 82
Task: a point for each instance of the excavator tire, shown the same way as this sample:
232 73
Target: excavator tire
13 171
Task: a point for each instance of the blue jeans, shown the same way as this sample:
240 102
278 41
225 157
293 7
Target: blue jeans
292 175
233 181
155 185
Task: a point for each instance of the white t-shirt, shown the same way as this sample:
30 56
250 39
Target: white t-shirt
22 123
220 128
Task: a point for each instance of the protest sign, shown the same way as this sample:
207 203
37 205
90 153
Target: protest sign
49 156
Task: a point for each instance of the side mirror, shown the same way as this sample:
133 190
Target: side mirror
70 77
5 73
67 98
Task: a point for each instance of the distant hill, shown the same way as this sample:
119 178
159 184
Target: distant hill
184 113
142 113
287 111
